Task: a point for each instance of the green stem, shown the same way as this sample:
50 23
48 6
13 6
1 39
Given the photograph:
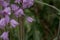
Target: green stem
21 28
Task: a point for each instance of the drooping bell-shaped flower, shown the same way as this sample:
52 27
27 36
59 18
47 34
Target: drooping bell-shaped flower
19 13
4 36
14 7
8 1
13 23
27 3
17 1
2 23
4 3
7 11
1 1
0 11
7 19
29 19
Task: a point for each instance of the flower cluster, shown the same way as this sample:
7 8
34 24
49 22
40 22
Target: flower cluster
6 11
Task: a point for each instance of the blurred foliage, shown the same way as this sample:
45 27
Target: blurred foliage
46 22
46 25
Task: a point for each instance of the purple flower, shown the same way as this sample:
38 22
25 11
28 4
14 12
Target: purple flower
29 19
0 11
17 1
2 23
7 11
7 1
13 23
14 7
4 36
7 19
4 3
19 13
1 2
27 3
